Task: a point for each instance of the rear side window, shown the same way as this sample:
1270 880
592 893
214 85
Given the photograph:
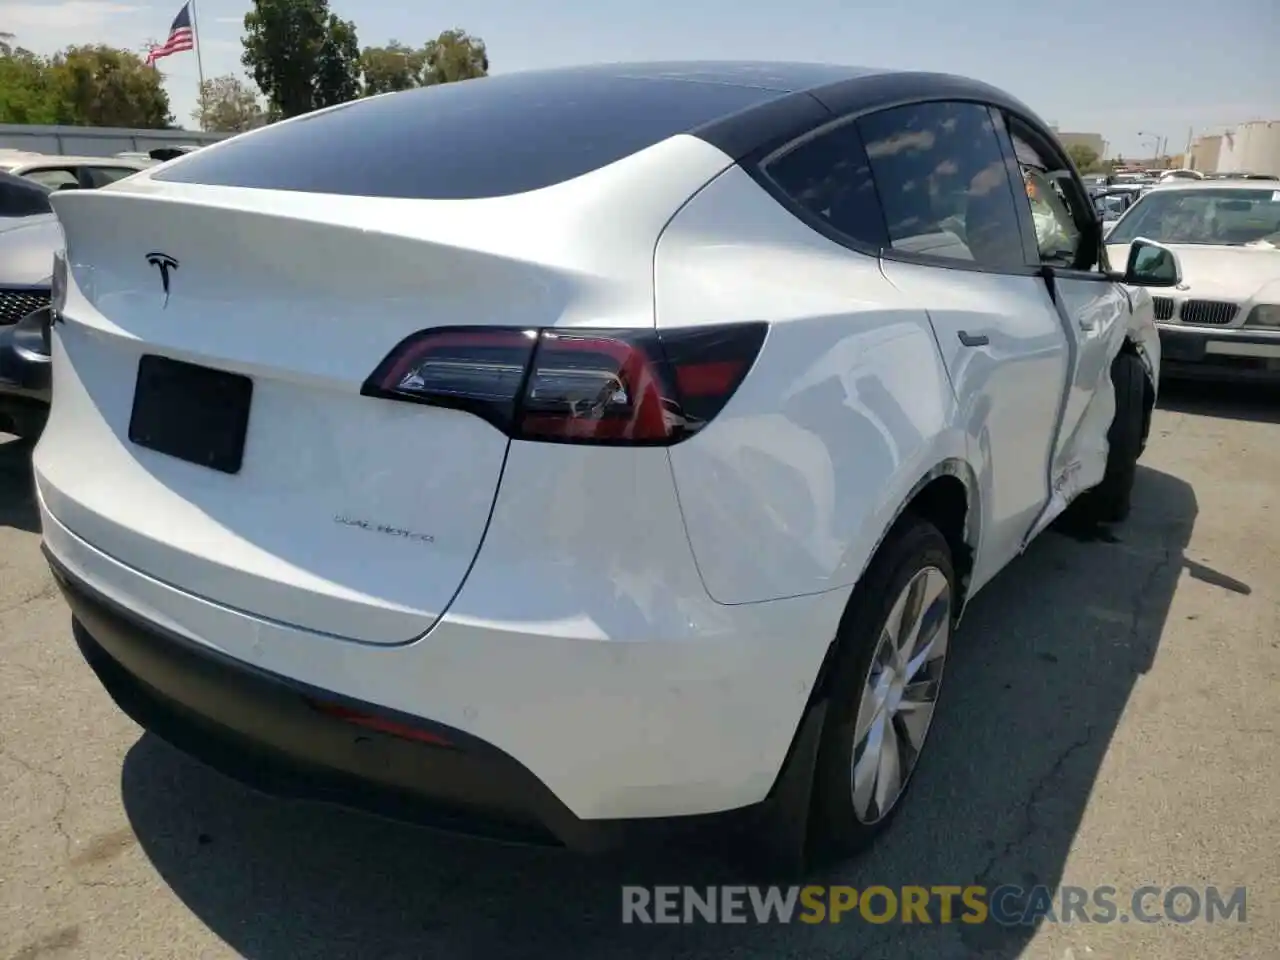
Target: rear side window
54 177
479 138
944 183
829 177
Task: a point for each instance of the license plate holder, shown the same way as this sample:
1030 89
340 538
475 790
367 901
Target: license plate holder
190 412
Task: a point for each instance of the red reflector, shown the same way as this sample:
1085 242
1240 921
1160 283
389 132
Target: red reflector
708 379
402 730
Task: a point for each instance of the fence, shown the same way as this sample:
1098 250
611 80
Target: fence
97 141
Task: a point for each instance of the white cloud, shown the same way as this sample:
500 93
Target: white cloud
238 21
19 17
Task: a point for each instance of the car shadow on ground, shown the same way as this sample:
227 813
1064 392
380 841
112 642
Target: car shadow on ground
17 489
1043 667
1254 402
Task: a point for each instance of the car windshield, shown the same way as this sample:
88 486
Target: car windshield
1222 217
1110 205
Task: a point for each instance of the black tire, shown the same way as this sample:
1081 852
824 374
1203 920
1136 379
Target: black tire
1110 500
912 545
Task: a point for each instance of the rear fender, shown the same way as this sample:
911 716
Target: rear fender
789 490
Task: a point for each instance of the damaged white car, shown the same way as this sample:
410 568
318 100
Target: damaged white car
624 461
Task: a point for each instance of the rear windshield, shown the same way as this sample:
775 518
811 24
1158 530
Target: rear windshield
480 138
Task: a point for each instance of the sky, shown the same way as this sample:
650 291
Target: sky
1131 72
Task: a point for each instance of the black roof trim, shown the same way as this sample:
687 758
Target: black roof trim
762 128
883 90
765 126
778 76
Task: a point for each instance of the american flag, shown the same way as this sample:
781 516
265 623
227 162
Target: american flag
181 37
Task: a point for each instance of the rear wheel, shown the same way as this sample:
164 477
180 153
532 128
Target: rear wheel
885 680
1110 500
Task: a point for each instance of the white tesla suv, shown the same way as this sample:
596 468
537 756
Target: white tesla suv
571 454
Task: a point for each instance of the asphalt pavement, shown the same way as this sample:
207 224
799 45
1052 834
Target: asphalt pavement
1110 719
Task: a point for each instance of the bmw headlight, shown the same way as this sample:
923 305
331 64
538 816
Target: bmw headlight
58 282
1264 315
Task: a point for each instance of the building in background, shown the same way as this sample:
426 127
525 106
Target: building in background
1251 148
1204 153
1093 141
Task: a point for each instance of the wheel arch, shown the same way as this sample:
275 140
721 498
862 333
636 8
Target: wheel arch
1134 347
947 495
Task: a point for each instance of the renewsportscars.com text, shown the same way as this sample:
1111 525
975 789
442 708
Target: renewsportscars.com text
1007 905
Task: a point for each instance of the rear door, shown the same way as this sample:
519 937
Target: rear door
957 244
1094 310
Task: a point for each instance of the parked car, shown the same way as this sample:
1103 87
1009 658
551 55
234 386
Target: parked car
161 154
1111 204
1240 175
61 173
582 492
1224 319
26 264
21 198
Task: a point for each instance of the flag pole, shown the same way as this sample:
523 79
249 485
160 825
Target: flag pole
195 33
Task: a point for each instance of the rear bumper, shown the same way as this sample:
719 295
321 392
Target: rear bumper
285 738
695 720
1212 353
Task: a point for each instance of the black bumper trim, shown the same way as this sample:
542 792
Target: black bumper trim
25 377
1184 354
258 728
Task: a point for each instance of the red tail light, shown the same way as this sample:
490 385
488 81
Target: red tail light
575 386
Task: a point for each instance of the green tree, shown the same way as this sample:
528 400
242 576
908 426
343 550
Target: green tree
6 43
227 105
338 66
102 86
27 91
300 55
454 55
1085 158
390 68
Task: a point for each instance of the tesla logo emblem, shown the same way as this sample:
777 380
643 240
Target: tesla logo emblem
164 263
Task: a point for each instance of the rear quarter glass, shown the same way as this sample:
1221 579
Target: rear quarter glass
490 137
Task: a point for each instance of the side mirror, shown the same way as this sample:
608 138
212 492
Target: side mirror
1152 265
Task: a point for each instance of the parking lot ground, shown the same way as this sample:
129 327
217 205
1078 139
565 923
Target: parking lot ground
1110 719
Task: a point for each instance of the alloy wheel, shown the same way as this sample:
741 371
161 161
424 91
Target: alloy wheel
899 694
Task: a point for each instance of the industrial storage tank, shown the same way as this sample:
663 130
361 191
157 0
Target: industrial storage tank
1251 148
1205 153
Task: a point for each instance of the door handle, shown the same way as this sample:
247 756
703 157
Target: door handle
973 339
